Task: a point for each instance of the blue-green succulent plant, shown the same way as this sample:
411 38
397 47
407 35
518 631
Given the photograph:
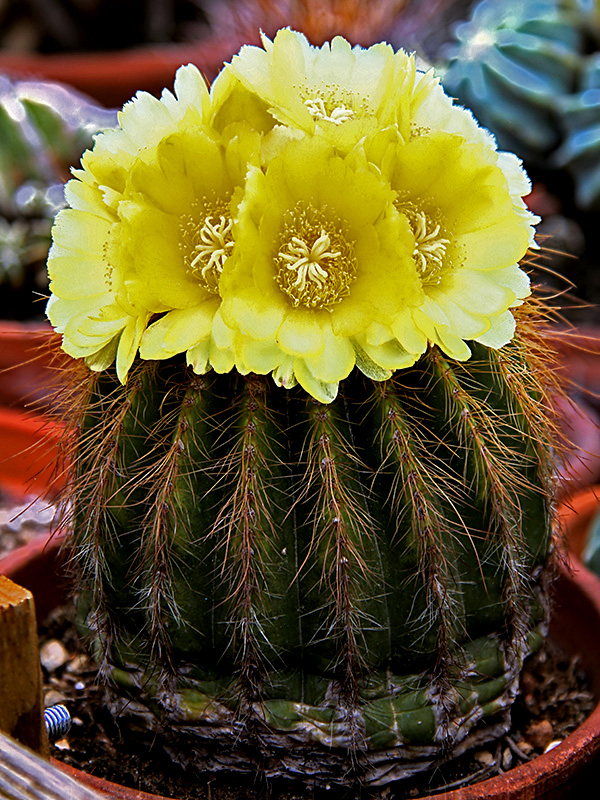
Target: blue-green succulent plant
580 150
509 63
530 72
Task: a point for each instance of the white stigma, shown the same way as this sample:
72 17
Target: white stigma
214 247
429 245
305 262
338 115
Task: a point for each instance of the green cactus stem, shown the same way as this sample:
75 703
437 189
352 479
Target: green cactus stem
313 585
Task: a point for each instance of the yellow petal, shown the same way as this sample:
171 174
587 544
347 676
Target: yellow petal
501 331
157 276
197 357
103 358
452 345
222 335
410 337
463 321
479 290
178 331
191 90
222 361
390 355
253 313
283 375
129 342
321 391
495 246
259 357
368 367
301 333
336 360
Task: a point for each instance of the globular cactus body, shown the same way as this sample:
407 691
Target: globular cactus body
311 521
366 575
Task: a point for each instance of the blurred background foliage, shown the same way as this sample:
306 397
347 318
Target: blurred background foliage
51 26
44 129
86 25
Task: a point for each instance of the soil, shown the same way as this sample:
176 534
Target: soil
555 698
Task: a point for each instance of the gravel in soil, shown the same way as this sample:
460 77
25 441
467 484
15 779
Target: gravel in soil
555 698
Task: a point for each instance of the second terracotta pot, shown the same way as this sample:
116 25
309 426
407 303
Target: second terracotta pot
562 773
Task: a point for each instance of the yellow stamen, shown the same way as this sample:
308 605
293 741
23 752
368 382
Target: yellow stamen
316 263
207 245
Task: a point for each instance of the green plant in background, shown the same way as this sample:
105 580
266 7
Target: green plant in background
311 501
510 62
528 71
44 128
580 150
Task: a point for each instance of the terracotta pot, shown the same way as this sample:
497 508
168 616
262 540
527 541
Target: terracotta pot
29 453
114 77
552 776
576 515
30 355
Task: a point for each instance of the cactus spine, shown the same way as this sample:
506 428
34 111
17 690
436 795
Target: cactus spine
366 575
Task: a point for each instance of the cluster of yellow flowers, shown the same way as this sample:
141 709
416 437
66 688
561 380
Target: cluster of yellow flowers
317 209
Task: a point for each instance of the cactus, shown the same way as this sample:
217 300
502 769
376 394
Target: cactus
367 574
510 62
580 149
340 571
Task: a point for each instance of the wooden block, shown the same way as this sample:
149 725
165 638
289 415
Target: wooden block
21 704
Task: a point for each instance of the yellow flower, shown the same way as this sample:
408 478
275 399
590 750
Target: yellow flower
148 233
433 110
469 232
342 93
320 208
177 225
322 260
89 304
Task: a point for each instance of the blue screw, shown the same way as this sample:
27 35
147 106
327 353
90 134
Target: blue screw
58 721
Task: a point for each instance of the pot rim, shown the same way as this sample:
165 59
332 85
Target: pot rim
30 446
523 781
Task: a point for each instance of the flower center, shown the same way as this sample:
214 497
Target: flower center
316 261
337 114
430 244
329 103
207 243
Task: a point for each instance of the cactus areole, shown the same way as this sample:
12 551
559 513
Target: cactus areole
311 494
